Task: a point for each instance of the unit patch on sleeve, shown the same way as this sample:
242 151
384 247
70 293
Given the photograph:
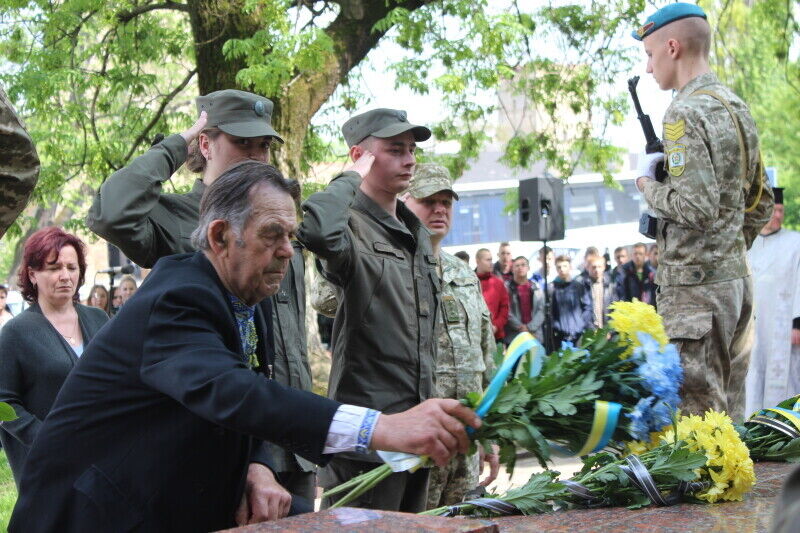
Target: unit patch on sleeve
673 132
676 159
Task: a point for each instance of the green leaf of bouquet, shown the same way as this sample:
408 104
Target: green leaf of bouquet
533 496
7 412
473 399
679 464
511 396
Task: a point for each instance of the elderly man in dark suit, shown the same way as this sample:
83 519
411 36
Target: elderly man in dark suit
161 426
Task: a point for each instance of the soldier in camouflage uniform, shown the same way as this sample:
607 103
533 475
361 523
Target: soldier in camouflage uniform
465 339
466 345
19 167
710 207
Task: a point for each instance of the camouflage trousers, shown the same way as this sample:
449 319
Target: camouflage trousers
712 327
448 485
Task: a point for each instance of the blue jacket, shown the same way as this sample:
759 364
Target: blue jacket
572 308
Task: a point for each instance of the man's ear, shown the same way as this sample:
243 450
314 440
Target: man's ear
673 47
356 152
218 236
204 144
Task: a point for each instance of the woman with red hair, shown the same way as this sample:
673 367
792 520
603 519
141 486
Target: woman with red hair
40 346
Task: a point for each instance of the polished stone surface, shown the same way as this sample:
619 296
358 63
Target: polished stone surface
350 520
754 514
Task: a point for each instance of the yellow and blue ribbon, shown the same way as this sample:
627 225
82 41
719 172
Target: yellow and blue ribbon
524 343
606 418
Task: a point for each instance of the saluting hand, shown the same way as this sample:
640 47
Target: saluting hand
363 164
192 133
434 428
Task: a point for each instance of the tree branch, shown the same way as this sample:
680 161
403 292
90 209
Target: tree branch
164 103
126 16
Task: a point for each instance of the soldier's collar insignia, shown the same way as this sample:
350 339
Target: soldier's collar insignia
644 29
674 131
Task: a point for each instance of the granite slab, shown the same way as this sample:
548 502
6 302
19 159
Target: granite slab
352 520
753 515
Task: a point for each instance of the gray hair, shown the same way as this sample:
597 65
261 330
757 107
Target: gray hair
228 198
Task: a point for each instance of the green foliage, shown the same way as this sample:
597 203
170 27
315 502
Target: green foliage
751 53
7 412
8 492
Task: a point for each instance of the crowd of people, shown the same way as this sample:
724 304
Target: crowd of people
189 409
578 296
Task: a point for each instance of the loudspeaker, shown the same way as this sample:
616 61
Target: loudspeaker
541 209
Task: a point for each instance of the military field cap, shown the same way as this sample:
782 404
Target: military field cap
430 178
238 113
778 192
666 15
383 123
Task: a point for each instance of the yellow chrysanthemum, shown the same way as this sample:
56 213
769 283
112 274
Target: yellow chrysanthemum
728 466
630 318
637 447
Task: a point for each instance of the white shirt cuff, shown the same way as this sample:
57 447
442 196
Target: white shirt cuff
351 429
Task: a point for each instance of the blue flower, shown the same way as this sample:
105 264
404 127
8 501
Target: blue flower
567 346
639 416
660 369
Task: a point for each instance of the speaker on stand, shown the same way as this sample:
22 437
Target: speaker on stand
541 218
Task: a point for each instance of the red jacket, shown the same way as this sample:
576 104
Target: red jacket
496 296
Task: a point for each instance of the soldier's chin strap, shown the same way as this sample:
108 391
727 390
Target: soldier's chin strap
742 148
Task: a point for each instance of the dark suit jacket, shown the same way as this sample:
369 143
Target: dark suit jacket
34 362
155 427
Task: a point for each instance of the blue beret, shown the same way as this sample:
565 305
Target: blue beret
665 15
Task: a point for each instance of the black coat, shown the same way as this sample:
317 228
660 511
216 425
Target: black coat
155 427
34 362
629 286
572 309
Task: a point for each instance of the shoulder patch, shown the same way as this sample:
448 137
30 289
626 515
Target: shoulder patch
674 131
676 159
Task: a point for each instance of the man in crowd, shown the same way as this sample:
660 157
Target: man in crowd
157 426
466 348
602 290
652 256
526 304
774 373
464 256
547 260
466 342
131 211
620 258
637 278
19 165
502 268
494 292
572 304
378 255
710 207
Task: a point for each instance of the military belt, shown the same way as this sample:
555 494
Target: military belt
723 270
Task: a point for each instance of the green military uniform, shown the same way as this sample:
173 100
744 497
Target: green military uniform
463 363
384 341
710 208
19 168
131 212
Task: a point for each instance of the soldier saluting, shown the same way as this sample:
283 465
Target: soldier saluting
710 207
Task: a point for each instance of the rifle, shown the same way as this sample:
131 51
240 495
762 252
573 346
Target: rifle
647 222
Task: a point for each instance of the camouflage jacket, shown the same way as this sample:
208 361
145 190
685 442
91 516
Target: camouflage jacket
19 166
466 343
714 174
